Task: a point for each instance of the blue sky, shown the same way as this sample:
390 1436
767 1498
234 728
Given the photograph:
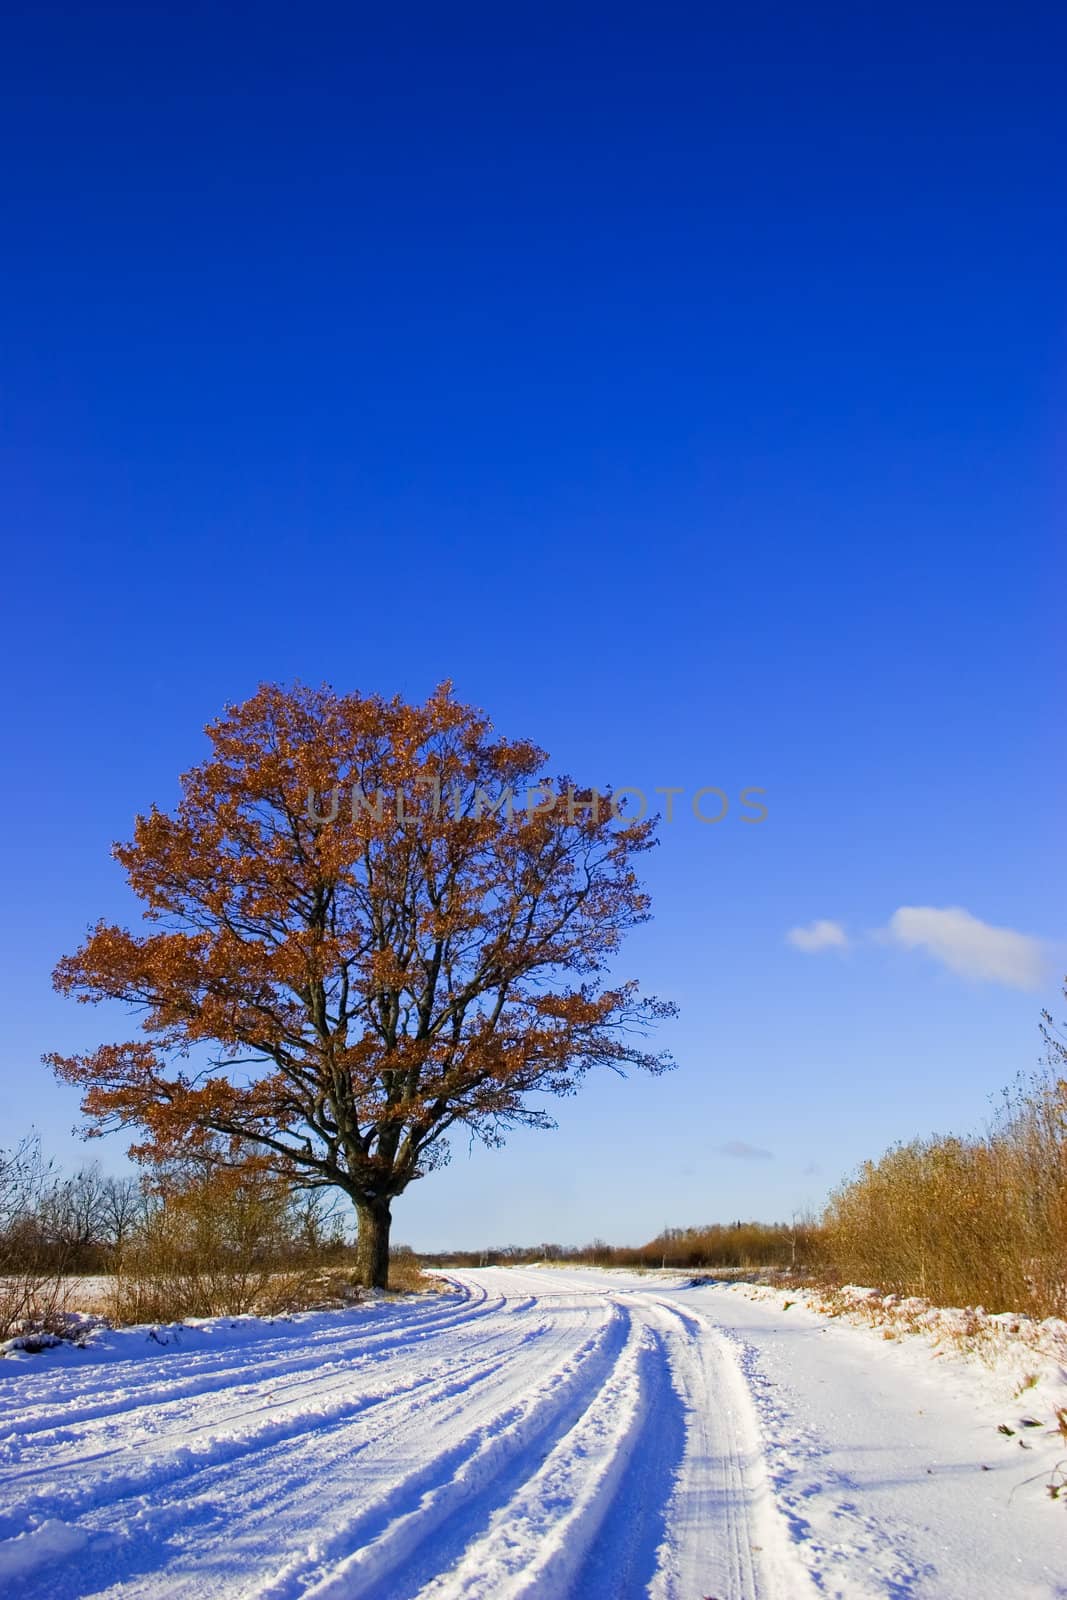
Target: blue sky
694 402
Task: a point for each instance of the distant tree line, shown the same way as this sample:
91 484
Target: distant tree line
741 1245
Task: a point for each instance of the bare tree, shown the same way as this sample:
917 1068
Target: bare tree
31 1273
122 1206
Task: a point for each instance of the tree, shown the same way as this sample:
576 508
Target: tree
73 1213
32 1266
122 1208
24 1176
357 937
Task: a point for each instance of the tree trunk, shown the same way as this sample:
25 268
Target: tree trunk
372 1244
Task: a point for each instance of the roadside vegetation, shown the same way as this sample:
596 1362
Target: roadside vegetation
949 1221
980 1220
972 1221
193 1239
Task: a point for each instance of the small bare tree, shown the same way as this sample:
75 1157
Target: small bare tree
31 1272
73 1216
122 1207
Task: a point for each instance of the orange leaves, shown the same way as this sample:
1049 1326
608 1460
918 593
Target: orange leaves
577 1009
112 1066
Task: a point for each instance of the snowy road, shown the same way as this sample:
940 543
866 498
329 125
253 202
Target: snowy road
541 1433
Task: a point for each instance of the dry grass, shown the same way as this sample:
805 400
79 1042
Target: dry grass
31 1299
154 1290
183 1291
407 1277
979 1221
221 1244
968 1331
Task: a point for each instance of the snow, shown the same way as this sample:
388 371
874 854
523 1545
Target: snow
538 1432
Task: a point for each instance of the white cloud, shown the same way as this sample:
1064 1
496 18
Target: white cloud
822 935
968 946
740 1151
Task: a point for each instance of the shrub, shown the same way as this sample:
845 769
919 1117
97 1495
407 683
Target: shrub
32 1294
980 1220
219 1242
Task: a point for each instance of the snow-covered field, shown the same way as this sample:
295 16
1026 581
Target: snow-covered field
538 1432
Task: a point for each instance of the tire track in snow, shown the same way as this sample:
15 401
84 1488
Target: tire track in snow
725 1536
269 1477
177 1412
212 1371
183 1439
888 1567
178 1454
658 1490
540 1437
454 1494
572 1527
